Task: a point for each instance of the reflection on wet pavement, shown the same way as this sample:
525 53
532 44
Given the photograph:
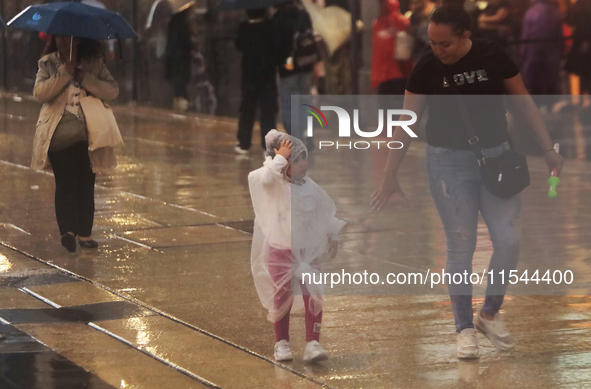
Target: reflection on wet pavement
174 222
26 363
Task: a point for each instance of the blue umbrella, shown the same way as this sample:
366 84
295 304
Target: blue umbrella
228 5
74 19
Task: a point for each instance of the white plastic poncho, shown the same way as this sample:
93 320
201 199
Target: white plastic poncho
288 217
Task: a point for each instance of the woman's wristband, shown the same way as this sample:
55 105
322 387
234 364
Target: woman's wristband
552 149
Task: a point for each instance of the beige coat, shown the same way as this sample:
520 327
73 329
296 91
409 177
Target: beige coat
50 89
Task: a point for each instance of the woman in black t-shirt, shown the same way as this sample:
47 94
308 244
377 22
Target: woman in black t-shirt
485 72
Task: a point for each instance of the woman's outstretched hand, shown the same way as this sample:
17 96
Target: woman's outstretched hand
284 149
333 247
389 186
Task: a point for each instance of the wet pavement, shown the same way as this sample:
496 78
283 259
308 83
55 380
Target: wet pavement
168 300
26 363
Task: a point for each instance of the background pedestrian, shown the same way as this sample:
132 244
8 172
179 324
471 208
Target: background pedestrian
70 69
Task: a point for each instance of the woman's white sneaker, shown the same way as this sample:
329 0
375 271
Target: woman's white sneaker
283 351
314 352
496 331
467 344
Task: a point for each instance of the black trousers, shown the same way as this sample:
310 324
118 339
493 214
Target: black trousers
179 87
74 189
252 98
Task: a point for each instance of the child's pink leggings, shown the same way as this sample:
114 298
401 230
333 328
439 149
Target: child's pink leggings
277 262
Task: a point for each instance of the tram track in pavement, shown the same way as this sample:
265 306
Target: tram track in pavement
143 305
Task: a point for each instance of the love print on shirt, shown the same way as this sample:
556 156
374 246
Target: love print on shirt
470 77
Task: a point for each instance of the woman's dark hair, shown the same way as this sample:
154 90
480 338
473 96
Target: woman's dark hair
87 49
452 13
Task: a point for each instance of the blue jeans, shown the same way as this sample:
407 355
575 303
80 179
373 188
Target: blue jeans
459 194
296 84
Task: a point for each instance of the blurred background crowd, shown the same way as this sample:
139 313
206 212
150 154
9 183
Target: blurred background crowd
549 39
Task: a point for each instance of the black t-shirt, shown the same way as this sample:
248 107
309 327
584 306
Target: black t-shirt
480 72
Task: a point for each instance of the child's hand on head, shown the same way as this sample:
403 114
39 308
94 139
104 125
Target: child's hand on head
284 149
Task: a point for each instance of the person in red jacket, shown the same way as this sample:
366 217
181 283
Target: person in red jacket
389 74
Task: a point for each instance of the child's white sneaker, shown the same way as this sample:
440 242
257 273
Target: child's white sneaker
314 352
283 351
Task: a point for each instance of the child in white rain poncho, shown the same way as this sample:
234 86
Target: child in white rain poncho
294 226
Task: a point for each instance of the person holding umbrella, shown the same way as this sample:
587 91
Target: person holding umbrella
72 74
70 69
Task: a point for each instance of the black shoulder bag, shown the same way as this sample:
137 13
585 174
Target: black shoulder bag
504 176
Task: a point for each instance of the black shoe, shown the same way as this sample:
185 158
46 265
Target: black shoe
88 244
69 241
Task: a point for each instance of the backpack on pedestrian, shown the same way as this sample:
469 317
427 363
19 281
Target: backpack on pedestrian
305 52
